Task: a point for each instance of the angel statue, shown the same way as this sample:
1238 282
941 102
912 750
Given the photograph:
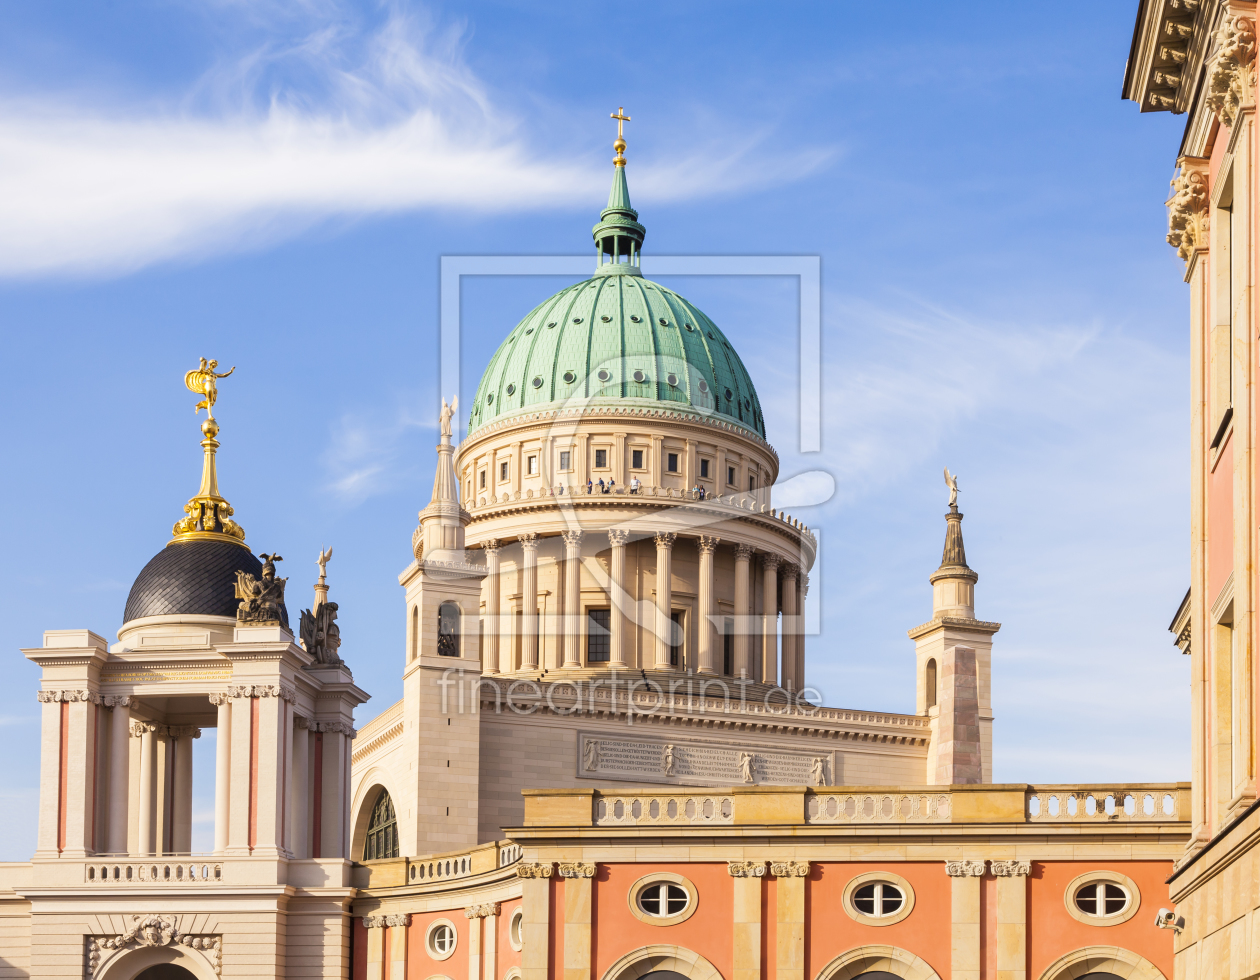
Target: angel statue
951 481
447 412
262 599
322 562
201 381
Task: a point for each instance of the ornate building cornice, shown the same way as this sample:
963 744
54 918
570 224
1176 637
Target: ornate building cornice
1231 76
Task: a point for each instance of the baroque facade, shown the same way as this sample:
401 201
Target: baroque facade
606 763
1198 57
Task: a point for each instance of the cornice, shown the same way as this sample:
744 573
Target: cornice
946 622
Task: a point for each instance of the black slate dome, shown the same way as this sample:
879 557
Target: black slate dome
192 578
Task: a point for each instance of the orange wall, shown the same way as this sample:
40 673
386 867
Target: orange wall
1052 932
420 963
507 956
615 931
1220 522
925 932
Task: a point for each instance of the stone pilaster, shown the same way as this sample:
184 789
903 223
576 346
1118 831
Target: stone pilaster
664 598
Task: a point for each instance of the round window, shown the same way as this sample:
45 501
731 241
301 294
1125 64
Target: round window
639 376
511 389
663 899
569 377
704 385
1101 898
635 319
537 382
577 319
440 939
689 326
516 930
663 322
603 375
606 319
551 324
729 396
671 380
878 898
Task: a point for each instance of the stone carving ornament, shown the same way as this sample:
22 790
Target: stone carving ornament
789 869
576 869
481 911
526 869
963 869
1011 869
1188 210
53 697
746 869
262 599
151 930
1231 72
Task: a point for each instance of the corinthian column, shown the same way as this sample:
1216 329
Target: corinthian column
770 619
664 598
617 598
222 770
144 823
119 772
572 598
707 545
490 655
743 612
529 601
791 629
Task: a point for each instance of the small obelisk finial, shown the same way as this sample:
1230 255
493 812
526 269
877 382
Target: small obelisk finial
620 143
208 513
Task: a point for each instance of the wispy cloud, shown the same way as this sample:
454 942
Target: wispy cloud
325 120
365 454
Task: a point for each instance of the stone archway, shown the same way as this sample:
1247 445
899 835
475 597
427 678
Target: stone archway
372 784
140 964
877 959
1102 959
660 961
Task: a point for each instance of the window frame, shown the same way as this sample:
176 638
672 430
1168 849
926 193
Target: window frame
663 878
672 461
531 465
459 628
590 621
601 451
878 877
505 470
703 468
517 920
636 459
1100 877
433 953
374 829
566 461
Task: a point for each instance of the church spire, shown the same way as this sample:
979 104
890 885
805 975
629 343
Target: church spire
208 514
440 536
618 235
953 584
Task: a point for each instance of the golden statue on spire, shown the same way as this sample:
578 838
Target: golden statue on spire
201 381
620 144
208 515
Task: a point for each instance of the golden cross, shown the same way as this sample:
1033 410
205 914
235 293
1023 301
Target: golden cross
621 118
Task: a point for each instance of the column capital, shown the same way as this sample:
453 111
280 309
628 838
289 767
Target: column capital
746 869
70 696
572 539
490 547
708 543
576 869
374 921
483 910
665 539
301 721
789 869
770 562
1011 869
184 731
142 728
744 552
617 538
789 571
526 869
220 699
397 919
116 701
529 541
964 869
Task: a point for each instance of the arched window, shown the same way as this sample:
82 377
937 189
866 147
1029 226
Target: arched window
930 683
415 631
382 832
448 630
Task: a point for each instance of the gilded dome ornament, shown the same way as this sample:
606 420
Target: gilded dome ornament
208 515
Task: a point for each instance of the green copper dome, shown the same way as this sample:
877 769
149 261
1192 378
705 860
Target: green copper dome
617 339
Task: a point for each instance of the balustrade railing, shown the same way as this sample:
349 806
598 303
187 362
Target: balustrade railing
140 871
1063 803
894 807
664 809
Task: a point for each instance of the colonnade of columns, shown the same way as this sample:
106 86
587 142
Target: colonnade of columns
164 789
756 641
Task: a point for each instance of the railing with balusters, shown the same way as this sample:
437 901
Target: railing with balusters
138 871
840 807
1047 804
691 809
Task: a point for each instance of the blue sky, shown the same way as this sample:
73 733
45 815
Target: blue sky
273 184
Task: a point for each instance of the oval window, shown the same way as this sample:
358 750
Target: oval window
704 386
639 376
663 322
878 898
551 324
490 398
511 389
603 375
1101 899
537 382
709 334
577 319
635 319
671 380
729 395
441 941
569 377
689 326
529 330
663 900
606 319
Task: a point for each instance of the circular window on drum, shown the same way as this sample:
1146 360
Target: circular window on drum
1102 898
879 898
516 929
662 899
440 939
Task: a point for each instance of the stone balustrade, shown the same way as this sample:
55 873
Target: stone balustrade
185 872
1059 804
664 809
438 869
841 808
